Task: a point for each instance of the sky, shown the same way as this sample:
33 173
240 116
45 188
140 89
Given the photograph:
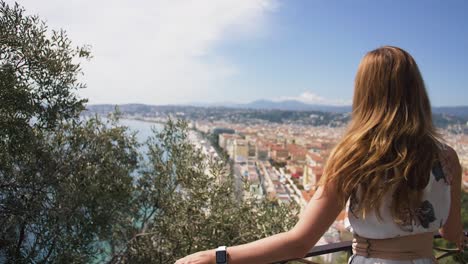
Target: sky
219 51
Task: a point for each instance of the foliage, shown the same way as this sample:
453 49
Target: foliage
57 174
39 72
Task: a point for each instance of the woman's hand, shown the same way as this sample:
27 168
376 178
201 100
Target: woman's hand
202 257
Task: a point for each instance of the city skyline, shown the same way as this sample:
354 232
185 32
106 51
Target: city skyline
178 52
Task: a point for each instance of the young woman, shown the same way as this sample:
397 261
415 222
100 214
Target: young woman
402 183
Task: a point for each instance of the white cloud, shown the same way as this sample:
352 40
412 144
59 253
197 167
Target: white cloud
312 98
159 51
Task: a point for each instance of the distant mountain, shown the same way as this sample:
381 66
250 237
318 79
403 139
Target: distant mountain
216 104
294 105
291 105
461 111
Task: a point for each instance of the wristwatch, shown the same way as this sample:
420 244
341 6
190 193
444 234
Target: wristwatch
221 255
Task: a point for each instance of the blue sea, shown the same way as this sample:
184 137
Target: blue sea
144 129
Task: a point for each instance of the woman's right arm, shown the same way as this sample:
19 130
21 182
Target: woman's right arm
317 217
453 228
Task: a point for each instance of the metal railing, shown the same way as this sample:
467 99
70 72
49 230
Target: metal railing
346 247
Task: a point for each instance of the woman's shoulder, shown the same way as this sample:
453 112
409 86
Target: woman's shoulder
450 163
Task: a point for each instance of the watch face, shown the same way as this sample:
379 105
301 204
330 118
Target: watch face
220 256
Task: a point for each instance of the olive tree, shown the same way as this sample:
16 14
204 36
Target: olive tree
63 181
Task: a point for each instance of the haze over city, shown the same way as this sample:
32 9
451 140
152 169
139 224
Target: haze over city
182 52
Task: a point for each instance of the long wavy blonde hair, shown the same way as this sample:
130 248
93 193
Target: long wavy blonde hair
391 142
